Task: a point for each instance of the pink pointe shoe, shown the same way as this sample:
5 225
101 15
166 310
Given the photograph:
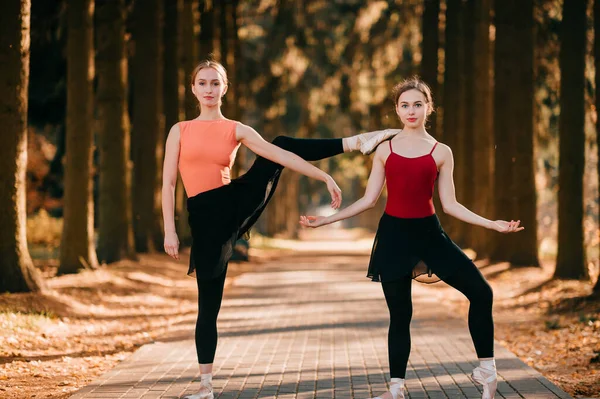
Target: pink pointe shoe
368 142
487 378
205 392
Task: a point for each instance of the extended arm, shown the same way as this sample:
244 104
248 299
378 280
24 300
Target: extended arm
251 139
372 192
452 207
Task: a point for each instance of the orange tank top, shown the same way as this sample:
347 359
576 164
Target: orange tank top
207 151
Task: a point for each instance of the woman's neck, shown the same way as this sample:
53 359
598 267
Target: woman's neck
415 132
210 113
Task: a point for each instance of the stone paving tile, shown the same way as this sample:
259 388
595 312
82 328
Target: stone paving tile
311 328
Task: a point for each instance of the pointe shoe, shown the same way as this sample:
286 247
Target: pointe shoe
487 378
396 389
206 392
368 142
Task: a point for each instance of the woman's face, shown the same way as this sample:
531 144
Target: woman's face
412 108
209 87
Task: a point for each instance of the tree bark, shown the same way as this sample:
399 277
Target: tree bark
148 125
17 273
515 193
235 72
77 248
189 56
115 225
463 155
571 260
482 125
207 34
223 9
216 35
177 86
452 92
431 43
175 83
596 289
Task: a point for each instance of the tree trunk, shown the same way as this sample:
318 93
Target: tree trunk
148 124
176 87
225 42
235 68
189 55
504 73
597 80
115 228
216 10
571 260
464 159
17 273
431 43
524 250
207 34
429 73
482 125
515 194
270 217
77 248
451 100
175 82
188 59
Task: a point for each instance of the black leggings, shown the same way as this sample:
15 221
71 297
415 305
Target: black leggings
210 291
210 295
471 283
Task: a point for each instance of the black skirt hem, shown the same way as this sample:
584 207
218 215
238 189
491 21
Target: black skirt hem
417 247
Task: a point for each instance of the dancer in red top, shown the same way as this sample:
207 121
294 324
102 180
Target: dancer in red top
410 240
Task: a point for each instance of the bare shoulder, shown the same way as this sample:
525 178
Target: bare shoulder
443 149
444 154
174 133
243 131
241 127
382 151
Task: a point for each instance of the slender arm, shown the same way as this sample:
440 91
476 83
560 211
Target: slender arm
372 193
447 193
170 179
251 139
254 141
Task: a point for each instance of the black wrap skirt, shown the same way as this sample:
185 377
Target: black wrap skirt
219 217
417 247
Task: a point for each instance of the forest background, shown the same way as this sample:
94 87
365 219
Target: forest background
89 90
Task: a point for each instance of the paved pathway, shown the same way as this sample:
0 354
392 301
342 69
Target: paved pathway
303 327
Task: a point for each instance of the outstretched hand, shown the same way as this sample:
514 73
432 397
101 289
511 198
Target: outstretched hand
503 226
312 221
335 192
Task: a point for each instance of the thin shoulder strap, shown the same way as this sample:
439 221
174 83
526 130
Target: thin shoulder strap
390 143
435 145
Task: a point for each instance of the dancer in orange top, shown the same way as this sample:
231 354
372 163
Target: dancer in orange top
221 209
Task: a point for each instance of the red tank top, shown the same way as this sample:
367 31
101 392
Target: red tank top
410 184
